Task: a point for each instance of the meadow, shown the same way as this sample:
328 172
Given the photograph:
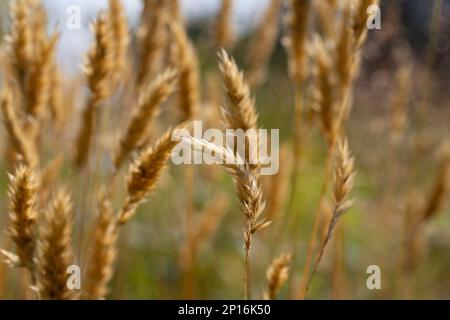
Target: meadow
357 210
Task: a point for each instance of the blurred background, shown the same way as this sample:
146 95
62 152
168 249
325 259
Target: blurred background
394 173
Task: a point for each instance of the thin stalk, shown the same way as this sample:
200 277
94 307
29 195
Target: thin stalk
317 217
297 148
188 273
247 285
319 257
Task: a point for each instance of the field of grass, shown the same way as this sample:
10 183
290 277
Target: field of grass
364 158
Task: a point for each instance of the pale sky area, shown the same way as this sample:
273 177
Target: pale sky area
74 43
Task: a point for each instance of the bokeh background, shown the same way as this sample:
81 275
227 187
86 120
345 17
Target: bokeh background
391 175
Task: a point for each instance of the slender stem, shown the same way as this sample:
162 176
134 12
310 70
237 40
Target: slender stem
297 144
188 273
319 257
247 286
297 153
313 238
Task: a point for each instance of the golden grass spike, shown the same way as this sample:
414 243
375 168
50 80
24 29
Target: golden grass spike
324 90
297 20
24 145
263 43
21 41
224 25
55 249
103 252
344 49
99 66
49 174
159 90
326 15
38 89
38 24
248 191
144 174
121 38
153 38
175 10
343 183
240 112
184 59
23 215
98 72
276 275
343 178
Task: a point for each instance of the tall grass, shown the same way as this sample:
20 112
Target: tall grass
100 172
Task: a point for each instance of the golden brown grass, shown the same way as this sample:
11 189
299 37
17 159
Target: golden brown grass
102 253
98 71
24 146
38 84
277 274
343 183
20 41
263 43
323 41
23 214
248 190
137 130
55 249
153 38
184 60
297 20
240 112
224 33
144 174
120 33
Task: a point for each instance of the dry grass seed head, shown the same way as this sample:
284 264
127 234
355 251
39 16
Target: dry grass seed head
99 66
343 178
152 39
184 59
276 275
55 249
103 252
23 214
344 48
39 88
98 71
119 27
240 111
224 25
324 90
263 43
144 173
151 99
20 40
246 181
297 20
24 146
